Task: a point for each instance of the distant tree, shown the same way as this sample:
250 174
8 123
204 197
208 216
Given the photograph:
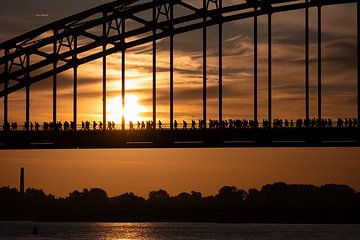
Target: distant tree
9 195
33 195
75 196
230 194
129 200
193 198
97 195
159 197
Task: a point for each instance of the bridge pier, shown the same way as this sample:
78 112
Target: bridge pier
307 76
319 62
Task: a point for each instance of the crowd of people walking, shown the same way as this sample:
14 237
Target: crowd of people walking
212 124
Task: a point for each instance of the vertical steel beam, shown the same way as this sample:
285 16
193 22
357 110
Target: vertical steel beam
75 83
154 62
255 61
123 74
27 78
358 62
171 67
6 71
269 69
104 72
319 62
55 52
220 64
307 72
204 61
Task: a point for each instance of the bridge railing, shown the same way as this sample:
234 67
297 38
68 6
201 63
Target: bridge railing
290 124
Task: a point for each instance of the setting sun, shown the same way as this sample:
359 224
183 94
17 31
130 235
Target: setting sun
132 109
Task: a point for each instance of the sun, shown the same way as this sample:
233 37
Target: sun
132 109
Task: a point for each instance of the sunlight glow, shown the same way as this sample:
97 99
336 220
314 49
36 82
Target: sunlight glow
132 112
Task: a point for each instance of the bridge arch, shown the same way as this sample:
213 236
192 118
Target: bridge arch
58 46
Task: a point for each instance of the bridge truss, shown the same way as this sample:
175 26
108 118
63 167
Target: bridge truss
101 31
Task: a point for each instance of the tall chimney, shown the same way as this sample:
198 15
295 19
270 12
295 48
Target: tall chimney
22 190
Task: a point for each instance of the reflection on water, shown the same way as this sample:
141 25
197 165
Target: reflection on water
186 231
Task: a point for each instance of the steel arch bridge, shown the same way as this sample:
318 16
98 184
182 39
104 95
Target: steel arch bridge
66 44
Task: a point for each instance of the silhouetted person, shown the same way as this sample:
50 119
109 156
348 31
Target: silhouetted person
193 124
160 124
184 125
175 124
142 125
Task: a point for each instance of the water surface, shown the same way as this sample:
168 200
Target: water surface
177 231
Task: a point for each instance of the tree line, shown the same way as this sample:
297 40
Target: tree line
277 202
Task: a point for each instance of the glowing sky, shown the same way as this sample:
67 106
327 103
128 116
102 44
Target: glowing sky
204 170
178 170
339 65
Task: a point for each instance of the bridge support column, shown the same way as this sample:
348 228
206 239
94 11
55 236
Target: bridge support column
54 76
255 61
171 67
307 76
204 60
104 73
6 69
358 62
123 69
27 121
154 63
269 70
319 63
123 88
75 84
220 64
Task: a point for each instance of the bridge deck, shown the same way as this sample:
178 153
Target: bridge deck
292 137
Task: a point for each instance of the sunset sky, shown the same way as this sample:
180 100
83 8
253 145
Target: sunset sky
202 170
